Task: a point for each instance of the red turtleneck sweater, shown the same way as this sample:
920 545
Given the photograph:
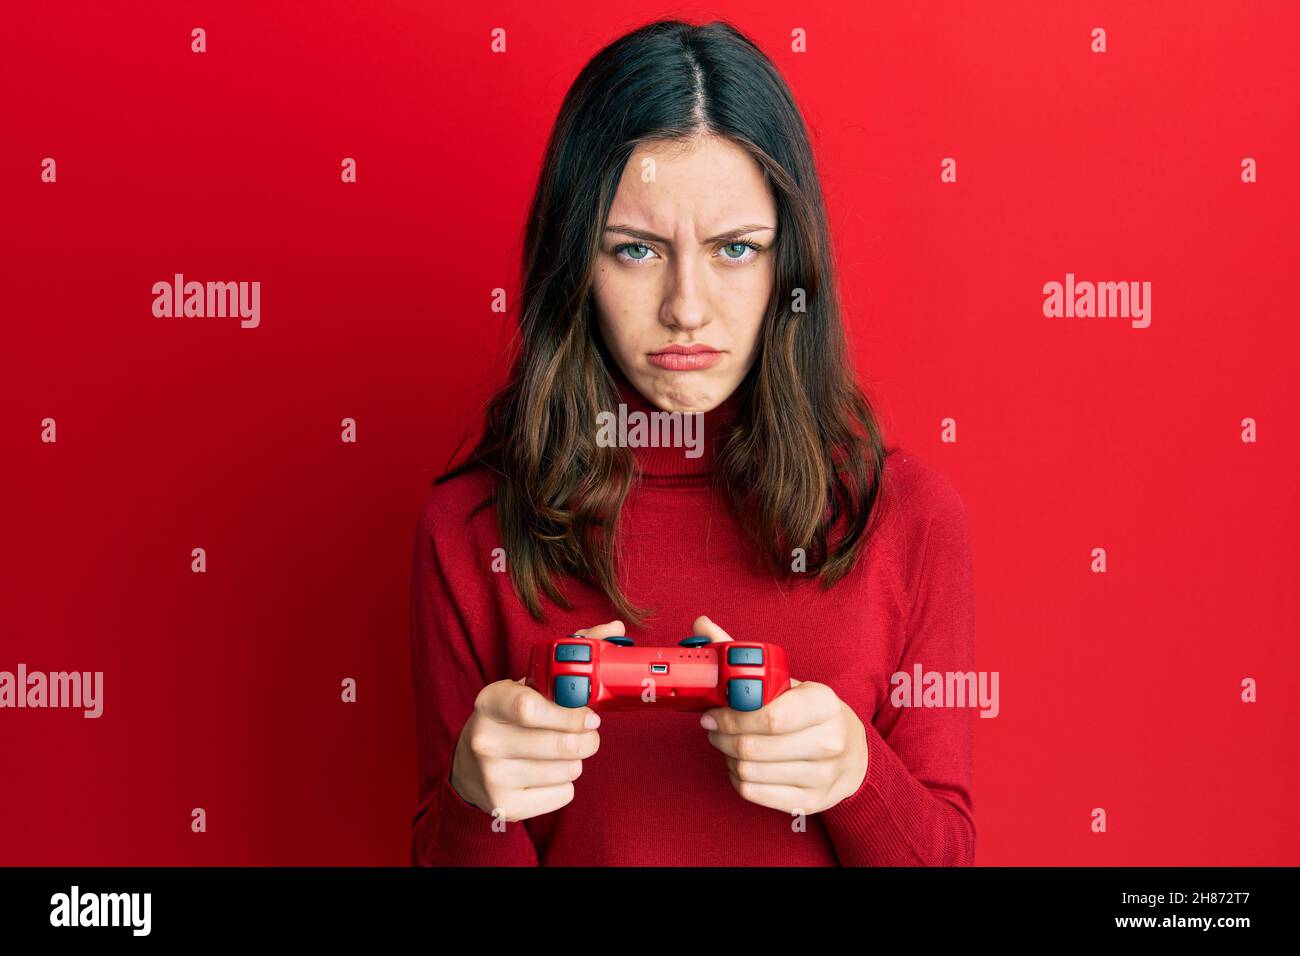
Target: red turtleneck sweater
657 793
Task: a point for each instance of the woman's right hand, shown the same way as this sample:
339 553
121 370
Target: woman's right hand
519 752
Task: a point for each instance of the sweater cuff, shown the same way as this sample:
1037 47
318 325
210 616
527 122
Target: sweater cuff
454 832
894 820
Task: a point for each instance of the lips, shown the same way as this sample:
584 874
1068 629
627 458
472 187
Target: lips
686 349
685 358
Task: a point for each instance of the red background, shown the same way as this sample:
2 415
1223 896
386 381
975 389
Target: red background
221 690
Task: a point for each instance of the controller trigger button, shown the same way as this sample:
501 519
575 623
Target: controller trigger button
745 693
745 656
572 691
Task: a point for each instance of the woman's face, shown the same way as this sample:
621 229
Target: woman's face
680 294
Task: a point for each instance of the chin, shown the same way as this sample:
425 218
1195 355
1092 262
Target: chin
675 395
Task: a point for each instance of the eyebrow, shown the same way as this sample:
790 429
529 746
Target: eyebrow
626 230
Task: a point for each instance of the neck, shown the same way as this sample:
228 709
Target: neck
691 449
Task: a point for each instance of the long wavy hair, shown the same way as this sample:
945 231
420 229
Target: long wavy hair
802 462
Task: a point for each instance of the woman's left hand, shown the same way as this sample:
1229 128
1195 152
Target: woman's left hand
804 752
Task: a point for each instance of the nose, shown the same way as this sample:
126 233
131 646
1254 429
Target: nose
685 303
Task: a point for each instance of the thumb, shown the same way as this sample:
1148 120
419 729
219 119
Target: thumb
703 627
609 629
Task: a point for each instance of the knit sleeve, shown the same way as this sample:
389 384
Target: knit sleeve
447 830
914 807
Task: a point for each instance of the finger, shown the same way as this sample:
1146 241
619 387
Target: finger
703 627
511 742
520 773
778 797
534 801
807 705
517 704
813 774
811 743
610 629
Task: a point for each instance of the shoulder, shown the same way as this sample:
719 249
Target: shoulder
451 515
918 488
924 515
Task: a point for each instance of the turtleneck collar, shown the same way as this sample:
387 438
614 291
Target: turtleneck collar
672 466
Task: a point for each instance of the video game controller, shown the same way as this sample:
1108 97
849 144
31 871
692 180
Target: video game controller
613 674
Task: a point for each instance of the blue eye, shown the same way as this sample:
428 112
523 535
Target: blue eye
640 252
634 245
742 246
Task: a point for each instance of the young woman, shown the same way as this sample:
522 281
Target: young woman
677 259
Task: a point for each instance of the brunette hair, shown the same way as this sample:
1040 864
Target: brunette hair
804 457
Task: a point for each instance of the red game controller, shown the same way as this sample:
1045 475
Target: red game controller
698 674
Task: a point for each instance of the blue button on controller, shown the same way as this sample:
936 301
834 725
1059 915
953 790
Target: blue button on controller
745 655
573 652
572 691
745 693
